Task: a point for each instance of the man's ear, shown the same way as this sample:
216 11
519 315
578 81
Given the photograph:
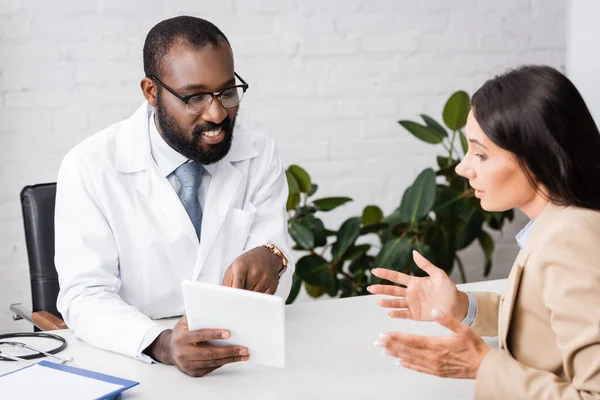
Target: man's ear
149 91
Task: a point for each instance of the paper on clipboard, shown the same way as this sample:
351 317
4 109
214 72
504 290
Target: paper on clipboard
255 320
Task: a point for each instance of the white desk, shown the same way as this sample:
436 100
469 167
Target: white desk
330 355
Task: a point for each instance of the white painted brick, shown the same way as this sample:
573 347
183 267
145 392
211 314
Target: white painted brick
424 21
15 76
300 131
32 51
335 7
449 42
348 86
17 120
501 43
437 5
327 46
362 65
15 27
297 25
71 119
506 5
476 23
302 152
366 108
132 8
365 24
266 6
392 7
392 43
284 88
10 6
263 46
60 7
240 26
109 71
38 98
197 8
277 110
105 50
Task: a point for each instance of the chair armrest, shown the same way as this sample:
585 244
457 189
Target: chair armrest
42 319
47 322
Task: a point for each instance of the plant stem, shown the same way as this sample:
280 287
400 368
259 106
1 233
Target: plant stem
461 269
451 149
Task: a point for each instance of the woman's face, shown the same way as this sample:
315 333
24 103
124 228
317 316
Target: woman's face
495 174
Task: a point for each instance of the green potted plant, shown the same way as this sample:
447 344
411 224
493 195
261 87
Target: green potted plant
437 216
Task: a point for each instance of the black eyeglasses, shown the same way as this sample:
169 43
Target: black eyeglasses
198 103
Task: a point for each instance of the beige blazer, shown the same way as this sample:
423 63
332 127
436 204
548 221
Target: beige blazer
548 321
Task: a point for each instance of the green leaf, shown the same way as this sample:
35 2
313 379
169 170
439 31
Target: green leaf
372 215
296 284
438 238
464 143
312 269
302 235
318 229
356 250
314 291
456 111
313 189
293 201
419 198
469 228
347 235
332 284
302 177
360 262
487 245
293 185
434 125
373 228
393 254
329 203
422 132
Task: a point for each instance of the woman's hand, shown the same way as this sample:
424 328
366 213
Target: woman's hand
421 295
456 356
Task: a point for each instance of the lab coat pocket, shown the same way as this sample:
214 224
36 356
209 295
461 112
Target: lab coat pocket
237 229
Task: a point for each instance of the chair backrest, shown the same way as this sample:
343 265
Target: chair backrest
37 203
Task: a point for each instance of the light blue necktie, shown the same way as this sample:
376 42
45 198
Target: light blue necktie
189 176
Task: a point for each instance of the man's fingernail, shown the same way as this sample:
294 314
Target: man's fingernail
437 314
383 336
225 335
243 352
245 358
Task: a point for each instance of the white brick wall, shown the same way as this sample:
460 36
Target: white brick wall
329 79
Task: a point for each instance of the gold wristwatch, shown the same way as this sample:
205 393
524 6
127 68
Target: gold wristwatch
275 250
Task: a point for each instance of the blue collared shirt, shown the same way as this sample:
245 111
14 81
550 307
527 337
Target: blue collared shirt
521 238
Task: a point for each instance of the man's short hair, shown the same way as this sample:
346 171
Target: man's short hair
196 32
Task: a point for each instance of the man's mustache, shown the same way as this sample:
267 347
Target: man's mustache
211 126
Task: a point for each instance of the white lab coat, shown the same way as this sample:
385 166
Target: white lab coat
124 242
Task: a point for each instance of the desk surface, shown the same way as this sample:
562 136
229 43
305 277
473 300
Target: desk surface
330 355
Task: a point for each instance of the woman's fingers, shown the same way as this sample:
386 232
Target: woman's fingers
424 264
391 275
403 314
393 303
389 290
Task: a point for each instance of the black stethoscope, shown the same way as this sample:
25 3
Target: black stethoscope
40 353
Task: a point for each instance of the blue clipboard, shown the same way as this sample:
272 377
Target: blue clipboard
124 383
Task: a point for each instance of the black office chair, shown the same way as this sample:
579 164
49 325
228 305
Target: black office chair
37 203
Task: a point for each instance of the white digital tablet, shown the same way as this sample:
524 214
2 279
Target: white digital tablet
255 320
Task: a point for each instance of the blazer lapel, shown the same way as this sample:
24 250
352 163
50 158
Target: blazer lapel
508 300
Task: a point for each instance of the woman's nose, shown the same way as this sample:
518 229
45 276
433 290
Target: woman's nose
464 170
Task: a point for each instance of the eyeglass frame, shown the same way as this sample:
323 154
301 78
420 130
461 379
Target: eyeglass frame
186 99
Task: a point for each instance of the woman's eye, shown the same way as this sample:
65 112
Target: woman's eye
481 156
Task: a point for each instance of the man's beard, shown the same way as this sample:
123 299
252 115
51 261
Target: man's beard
177 137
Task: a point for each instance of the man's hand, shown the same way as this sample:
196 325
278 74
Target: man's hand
256 270
189 351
